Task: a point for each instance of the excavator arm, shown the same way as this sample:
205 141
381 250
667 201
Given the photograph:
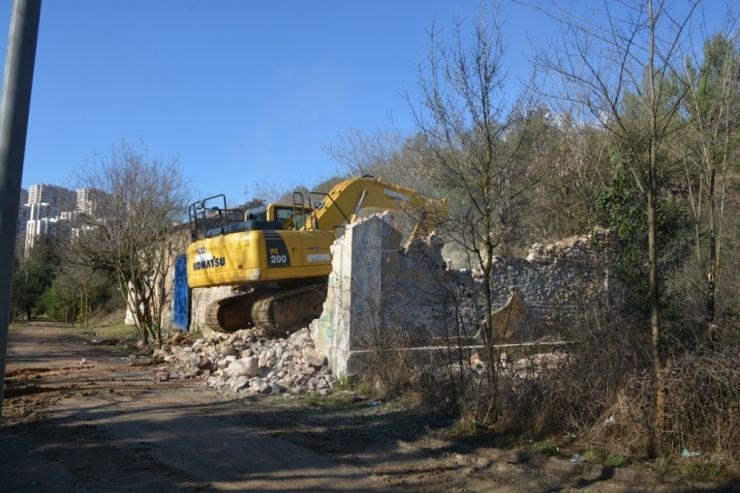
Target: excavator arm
366 194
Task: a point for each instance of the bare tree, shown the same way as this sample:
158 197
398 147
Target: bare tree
387 154
133 227
362 154
711 145
472 141
616 67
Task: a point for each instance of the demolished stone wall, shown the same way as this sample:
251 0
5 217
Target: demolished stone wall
244 363
556 285
377 286
531 297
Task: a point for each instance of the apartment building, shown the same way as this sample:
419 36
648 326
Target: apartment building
62 198
88 200
54 210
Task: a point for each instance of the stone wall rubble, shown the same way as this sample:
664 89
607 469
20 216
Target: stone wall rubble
377 285
531 297
244 363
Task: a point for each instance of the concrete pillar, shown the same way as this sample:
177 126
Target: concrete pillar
364 264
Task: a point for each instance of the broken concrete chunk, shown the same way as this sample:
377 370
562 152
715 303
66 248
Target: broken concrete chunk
300 338
245 366
262 361
227 350
158 355
510 321
238 383
314 357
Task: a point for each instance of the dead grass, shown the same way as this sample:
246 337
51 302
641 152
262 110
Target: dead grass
16 325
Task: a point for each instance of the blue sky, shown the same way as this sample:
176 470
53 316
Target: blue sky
240 92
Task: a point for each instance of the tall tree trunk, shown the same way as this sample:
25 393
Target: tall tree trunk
660 389
713 258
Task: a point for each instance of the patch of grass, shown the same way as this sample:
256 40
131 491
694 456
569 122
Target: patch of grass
594 456
347 382
546 448
334 399
117 330
604 458
662 465
109 328
699 470
467 427
696 469
16 325
616 460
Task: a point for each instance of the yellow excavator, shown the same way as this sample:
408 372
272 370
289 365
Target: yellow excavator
278 255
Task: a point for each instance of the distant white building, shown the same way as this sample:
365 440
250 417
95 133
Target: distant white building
40 217
36 228
54 210
22 212
88 200
42 210
62 198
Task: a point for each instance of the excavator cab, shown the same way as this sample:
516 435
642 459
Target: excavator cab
210 218
271 217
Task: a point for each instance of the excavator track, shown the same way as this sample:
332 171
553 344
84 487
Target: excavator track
270 312
232 313
288 311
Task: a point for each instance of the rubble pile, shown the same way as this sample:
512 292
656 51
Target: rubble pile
584 247
529 367
537 365
242 362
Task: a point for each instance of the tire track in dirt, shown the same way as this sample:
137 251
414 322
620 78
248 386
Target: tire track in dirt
95 465
215 451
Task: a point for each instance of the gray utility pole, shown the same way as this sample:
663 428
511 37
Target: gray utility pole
14 109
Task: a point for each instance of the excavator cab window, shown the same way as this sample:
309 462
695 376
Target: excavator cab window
282 214
258 213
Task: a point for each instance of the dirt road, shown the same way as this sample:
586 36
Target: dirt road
100 425
78 419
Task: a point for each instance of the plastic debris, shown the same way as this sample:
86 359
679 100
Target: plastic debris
686 454
576 458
